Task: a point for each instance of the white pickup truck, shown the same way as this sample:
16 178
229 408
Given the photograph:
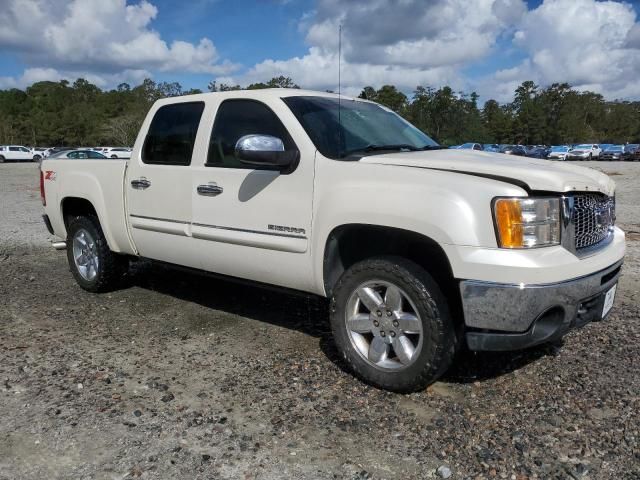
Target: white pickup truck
420 249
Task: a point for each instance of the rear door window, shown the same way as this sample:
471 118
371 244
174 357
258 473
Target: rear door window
172 134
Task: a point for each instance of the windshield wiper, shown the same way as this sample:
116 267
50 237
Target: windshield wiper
377 148
394 147
433 147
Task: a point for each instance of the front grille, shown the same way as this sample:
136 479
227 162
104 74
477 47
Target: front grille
593 217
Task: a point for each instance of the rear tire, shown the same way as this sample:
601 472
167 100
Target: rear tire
1 159
93 265
411 341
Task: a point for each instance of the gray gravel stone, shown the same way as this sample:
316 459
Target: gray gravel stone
257 377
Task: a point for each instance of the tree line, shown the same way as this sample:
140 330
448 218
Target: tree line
80 113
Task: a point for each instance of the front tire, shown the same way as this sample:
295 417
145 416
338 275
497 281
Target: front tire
93 265
392 324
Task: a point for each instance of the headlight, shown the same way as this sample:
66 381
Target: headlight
527 222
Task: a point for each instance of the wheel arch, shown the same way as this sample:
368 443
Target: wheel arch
71 207
350 243
74 206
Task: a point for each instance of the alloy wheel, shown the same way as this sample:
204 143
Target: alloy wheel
85 254
383 325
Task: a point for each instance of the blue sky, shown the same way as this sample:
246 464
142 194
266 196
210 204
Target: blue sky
489 46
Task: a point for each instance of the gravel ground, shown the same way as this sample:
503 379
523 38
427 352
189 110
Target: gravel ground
180 376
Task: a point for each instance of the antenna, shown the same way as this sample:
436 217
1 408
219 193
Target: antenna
339 56
339 89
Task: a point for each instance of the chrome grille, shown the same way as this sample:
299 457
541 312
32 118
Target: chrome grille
593 217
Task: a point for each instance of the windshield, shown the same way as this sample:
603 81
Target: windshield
615 148
583 147
559 149
355 126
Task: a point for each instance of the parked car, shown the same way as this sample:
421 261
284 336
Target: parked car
614 152
17 153
633 152
513 150
558 152
117 152
419 248
491 147
38 152
471 146
78 154
54 150
537 151
585 151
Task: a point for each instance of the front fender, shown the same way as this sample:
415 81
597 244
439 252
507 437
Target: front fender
449 208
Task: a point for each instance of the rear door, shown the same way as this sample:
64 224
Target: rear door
248 222
158 184
19 153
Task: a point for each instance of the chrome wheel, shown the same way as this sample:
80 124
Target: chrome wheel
383 325
85 254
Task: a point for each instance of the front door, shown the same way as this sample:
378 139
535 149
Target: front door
158 185
248 222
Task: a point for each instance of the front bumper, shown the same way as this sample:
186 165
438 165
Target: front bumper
510 317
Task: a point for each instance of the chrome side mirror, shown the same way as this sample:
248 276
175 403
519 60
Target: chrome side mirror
265 151
259 143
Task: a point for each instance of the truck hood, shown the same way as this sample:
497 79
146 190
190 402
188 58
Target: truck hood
529 173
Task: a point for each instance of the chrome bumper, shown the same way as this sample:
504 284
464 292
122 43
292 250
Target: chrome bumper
509 317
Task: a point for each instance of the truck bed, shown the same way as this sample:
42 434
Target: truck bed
101 182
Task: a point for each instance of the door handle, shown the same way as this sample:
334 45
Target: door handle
140 183
210 189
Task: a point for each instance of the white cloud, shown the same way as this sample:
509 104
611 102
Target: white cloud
590 44
319 70
388 42
33 75
106 38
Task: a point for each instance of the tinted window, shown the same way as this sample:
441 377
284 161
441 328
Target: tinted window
237 118
72 155
95 155
14 149
172 134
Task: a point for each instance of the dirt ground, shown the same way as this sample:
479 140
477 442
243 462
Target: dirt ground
182 376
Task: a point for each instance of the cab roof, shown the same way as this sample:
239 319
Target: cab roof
260 94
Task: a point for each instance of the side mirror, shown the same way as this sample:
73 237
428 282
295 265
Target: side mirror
265 151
